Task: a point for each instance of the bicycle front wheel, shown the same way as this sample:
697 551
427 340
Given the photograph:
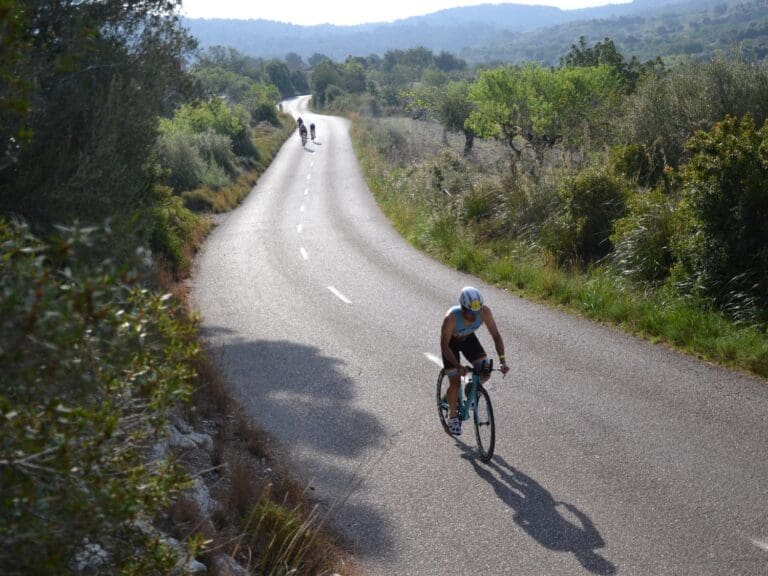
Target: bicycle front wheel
485 426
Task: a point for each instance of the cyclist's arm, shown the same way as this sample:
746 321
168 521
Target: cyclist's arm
498 341
449 323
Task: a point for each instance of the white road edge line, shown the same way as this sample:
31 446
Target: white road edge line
339 295
433 358
303 253
762 544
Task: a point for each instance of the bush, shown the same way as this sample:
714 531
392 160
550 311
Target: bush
91 364
646 166
667 110
580 231
642 239
173 226
216 149
722 246
181 160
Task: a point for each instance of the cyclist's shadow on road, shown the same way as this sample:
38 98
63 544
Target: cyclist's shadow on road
539 514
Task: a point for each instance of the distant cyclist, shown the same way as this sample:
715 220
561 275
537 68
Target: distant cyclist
303 133
457 335
312 131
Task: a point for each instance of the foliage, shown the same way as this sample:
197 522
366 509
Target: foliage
324 75
173 227
642 239
530 99
580 231
668 109
99 74
584 56
286 540
91 364
198 145
454 109
645 167
14 89
430 222
723 242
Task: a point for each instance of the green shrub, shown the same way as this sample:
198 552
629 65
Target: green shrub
668 109
524 207
640 164
181 160
642 239
173 225
580 231
199 200
216 149
91 362
722 246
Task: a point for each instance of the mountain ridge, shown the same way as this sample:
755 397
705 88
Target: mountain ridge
476 33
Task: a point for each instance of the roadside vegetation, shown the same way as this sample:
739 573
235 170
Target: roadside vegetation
119 141
630 192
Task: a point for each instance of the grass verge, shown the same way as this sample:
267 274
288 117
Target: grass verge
657 315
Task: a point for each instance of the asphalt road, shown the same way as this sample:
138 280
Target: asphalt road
613 455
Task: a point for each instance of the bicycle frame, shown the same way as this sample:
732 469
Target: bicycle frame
471 395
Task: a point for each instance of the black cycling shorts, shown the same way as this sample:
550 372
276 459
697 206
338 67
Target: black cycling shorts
469 346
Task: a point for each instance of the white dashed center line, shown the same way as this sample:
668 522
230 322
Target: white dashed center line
306 191
433 358
302 208
299 228
339 295
303 253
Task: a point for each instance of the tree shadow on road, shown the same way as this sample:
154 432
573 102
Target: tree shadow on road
301 398
556 525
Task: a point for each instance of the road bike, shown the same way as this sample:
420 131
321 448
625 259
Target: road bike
473 400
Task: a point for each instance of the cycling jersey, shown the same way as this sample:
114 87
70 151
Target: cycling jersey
462 329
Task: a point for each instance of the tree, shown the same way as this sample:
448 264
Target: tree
316 58
294 62
280 76
605 53
14 91
536 102
454 109
99 74
324 75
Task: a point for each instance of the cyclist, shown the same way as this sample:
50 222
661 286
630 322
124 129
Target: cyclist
457 335
312 130
303 133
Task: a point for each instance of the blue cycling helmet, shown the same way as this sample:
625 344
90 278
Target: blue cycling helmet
471 299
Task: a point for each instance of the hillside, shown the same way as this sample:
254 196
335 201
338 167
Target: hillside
512 32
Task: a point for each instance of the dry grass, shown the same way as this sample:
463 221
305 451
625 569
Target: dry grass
425 139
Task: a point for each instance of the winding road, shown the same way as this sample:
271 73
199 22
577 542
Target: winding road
613 455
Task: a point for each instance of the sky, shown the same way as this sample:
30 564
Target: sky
346 12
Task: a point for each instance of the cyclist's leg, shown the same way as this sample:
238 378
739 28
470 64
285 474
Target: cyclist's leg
452 395
475 353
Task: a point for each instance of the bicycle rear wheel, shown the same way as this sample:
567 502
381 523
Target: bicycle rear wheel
442 403
485 425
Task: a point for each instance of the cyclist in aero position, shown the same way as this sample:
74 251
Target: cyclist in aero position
457 335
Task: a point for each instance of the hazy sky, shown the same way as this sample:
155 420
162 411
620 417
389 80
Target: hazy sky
346 12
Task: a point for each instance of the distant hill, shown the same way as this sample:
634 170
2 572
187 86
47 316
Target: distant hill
511 32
